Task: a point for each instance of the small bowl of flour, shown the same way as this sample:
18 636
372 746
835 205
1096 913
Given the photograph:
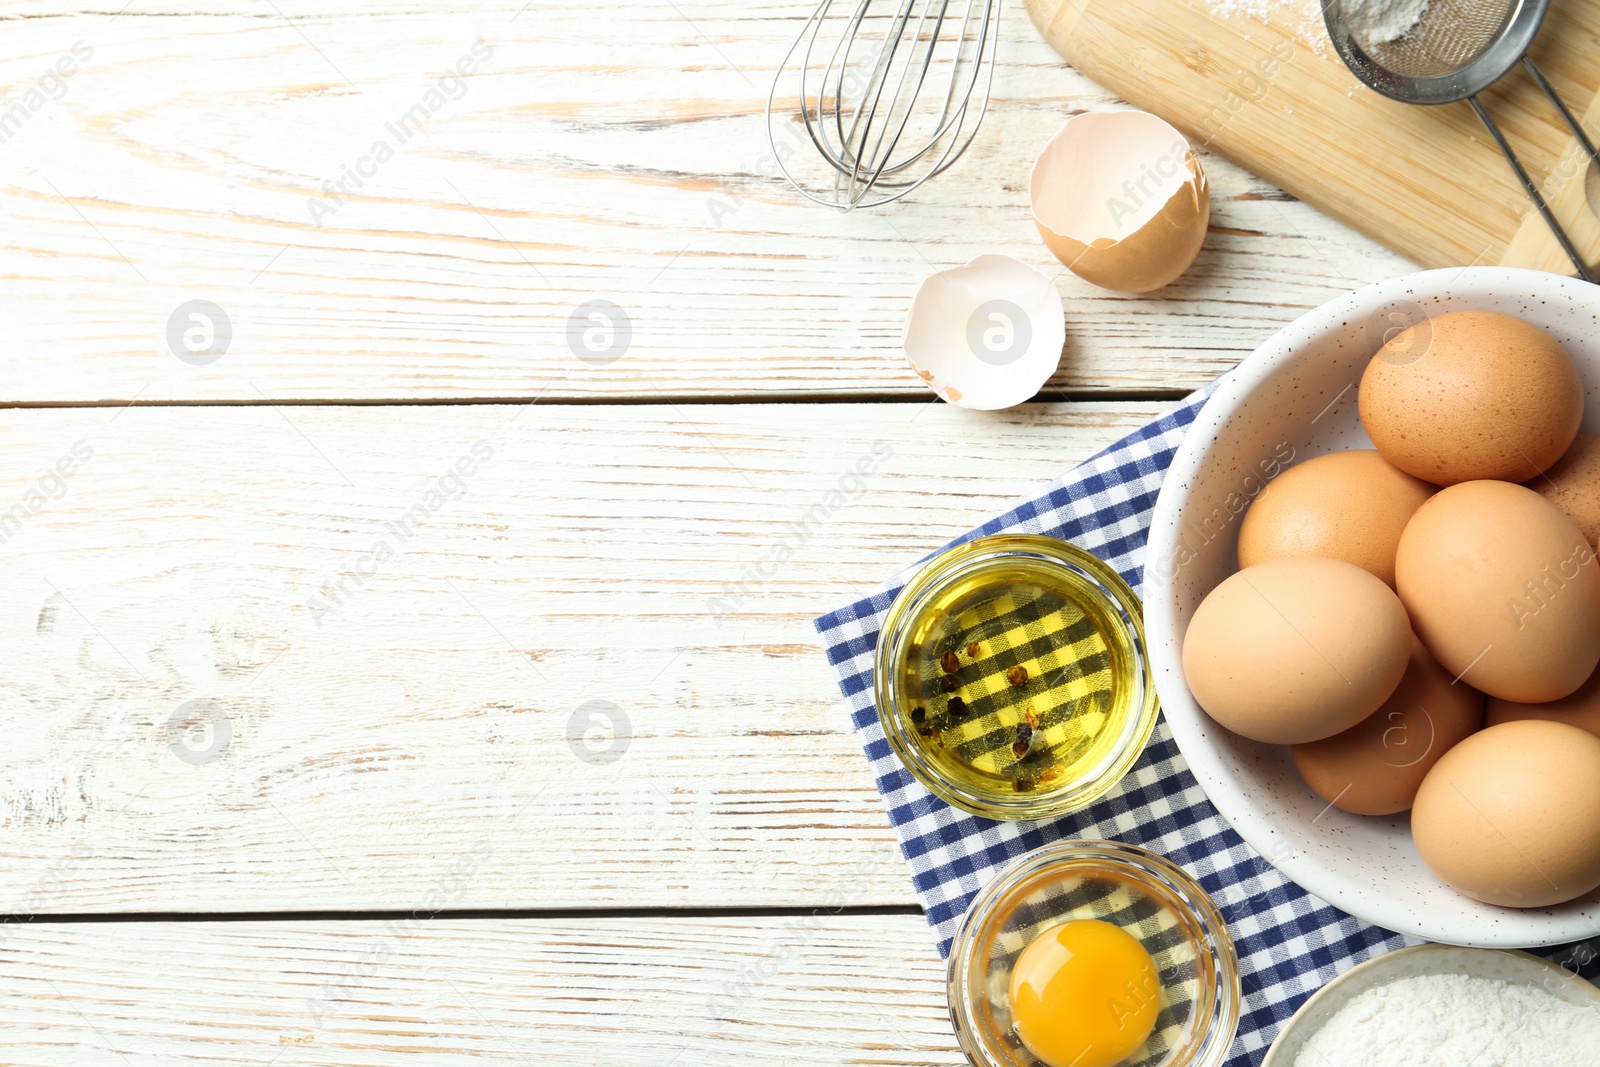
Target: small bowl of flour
1442 1006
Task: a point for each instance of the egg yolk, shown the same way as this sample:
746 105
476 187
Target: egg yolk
1084 994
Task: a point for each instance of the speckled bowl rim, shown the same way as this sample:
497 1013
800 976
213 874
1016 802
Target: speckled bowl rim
1448 916
1503 964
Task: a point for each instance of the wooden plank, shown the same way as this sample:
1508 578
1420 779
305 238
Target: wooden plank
1264 86
188 153
817 988
402 616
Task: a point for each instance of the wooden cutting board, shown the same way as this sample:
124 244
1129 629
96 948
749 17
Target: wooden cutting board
1271 94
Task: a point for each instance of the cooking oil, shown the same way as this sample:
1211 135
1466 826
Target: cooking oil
1013 672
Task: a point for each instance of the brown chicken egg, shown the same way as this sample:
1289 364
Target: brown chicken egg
1503 589
1511 815
1581 709
1471 395
1573 485
1295 650
1376 766
1347 505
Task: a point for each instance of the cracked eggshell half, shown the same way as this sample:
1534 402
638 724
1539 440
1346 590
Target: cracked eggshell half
987 335
1120 198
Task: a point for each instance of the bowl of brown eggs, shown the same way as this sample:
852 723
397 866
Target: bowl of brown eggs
1373 604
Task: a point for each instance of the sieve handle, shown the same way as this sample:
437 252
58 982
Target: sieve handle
1555 98
1527 182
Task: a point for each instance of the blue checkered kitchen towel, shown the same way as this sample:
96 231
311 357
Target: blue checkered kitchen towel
1290 943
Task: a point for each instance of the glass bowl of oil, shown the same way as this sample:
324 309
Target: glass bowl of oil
1011 677
1193 992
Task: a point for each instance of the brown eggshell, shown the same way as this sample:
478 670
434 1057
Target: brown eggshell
1155 256
1573 485
1295 650
1471 395
1581 709
1511 815
1503 589
1348 505
1376 766
1121 200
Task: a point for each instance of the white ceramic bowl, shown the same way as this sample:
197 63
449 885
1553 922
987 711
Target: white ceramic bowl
1294 398
1513 968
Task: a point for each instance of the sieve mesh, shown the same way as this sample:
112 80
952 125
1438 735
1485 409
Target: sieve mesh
1450 36
1454 50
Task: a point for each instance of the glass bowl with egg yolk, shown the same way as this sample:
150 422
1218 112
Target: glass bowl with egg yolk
1093 954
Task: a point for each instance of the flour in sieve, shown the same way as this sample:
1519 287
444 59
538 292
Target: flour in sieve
1449 1020
1375 21
1382 21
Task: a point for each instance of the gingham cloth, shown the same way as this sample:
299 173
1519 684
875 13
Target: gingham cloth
1290 943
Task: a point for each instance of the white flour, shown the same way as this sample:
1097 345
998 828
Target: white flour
1379 21
1382 21
1451 1020
1301 18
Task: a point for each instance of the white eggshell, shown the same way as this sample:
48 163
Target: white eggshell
987 335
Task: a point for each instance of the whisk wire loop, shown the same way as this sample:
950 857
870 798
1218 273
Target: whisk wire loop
890 111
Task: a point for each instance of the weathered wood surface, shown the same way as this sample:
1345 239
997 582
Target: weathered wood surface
616 155
218 698
374 717
814 989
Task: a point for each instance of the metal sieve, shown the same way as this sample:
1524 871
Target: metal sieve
1456 49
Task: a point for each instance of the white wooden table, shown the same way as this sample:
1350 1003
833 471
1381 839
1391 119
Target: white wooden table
301 653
